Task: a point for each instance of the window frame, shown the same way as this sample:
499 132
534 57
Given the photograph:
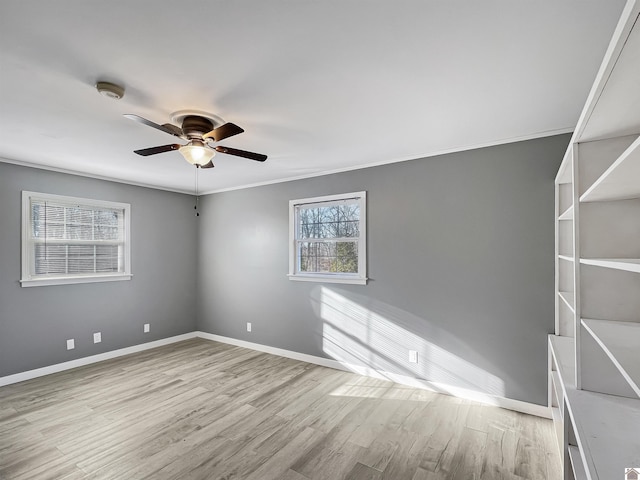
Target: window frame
359 278
28 276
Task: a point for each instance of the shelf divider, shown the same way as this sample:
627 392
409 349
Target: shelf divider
621 343
576 463
620 180
567 214
568 298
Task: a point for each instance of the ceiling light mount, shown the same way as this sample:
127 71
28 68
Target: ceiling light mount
110 90
194 126
179 116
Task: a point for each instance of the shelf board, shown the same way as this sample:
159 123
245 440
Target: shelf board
612 105
621 343
576 463
620 181
567 214
628 264
606 427
563 351
566 257
569 299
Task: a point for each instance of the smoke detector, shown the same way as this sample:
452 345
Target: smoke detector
110 90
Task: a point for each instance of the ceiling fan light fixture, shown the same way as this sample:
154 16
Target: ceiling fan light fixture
196 153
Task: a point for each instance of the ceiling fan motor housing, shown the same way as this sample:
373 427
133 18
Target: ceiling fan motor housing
194 127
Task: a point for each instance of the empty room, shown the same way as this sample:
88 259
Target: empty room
320 240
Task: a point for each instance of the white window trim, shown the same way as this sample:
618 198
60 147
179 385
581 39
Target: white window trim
29 280
357 279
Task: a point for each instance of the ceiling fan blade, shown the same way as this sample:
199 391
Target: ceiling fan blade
177 131
208 165
258 157
170 129
223 131
145 152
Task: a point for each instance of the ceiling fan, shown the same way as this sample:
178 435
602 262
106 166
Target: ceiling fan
199 132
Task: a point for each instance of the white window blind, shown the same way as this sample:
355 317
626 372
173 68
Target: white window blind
328 238
71 240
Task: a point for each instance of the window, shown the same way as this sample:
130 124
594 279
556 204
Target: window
328 239
73 240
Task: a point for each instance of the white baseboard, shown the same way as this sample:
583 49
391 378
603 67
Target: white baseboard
303 357
59 367
503 402
508 403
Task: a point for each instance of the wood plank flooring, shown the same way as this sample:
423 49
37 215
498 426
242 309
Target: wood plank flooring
205 410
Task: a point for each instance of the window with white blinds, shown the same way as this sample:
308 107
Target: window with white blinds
73 240
328 238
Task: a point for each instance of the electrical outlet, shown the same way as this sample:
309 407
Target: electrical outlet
97 337
248 326
145 329
71 344
413 356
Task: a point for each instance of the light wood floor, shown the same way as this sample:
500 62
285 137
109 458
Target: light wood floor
206 410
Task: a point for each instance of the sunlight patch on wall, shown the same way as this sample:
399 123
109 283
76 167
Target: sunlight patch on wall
368 343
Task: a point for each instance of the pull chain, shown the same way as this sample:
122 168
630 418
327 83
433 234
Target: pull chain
197 197
46 224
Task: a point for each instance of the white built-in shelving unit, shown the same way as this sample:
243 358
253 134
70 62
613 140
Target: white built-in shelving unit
594 356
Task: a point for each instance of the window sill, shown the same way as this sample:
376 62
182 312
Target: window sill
42 282
328 279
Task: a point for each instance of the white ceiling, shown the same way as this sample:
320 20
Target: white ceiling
318 85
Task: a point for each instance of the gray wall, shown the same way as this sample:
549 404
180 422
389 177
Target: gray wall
460 260
35 322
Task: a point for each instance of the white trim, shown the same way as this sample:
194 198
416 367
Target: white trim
303 357
336 199
68 171
352 197
328 279
408 158
502 402
43 282
80 362
30 279
73 200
